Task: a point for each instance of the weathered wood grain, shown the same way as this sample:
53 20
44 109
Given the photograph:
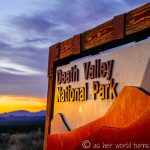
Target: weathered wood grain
97 36
66 48
138 19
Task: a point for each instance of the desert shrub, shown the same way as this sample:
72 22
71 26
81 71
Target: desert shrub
26 141
3 146
4 138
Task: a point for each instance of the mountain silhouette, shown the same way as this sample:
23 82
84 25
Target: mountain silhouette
129 106
22 117
1 118
24 113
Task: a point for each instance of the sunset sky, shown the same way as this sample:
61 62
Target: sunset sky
28 28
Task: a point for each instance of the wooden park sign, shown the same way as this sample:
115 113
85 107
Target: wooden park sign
83 90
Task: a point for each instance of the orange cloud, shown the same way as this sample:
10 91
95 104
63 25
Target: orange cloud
10 103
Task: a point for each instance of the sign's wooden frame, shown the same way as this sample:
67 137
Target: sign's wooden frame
122 29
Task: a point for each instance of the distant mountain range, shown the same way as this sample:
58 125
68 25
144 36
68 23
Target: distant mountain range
24 113
22 117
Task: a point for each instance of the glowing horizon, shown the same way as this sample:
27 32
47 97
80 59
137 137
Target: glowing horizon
9 103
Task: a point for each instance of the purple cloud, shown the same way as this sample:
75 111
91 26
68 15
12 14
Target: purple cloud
30 40
3 45
34 23
23 85
136 3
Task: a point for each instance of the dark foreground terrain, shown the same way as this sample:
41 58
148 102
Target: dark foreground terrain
21 137
22 130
